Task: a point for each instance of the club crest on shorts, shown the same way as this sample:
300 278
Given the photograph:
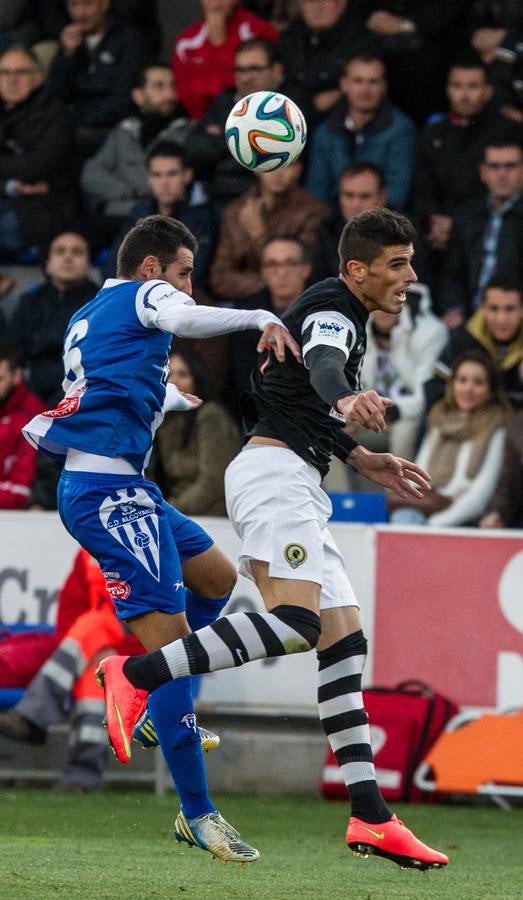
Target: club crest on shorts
128 515
295 555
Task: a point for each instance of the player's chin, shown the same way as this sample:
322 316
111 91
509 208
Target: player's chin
397 302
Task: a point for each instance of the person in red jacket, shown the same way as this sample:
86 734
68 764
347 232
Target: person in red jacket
203 55
17 405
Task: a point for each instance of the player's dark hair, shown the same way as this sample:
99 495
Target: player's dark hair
11 353
158 236
166 149
141 76
364 237
359 168
270 49
504 281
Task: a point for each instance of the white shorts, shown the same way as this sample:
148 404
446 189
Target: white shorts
280 512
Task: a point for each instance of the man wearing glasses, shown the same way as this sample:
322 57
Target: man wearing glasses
36 157
487 236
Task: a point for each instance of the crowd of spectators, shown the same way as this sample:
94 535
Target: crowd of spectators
409 104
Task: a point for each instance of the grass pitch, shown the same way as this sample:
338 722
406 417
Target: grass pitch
119 846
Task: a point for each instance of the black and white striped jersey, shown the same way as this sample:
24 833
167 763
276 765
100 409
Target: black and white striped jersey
328 322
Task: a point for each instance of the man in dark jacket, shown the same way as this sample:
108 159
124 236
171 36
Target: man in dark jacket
173 192
451 149
94 70
39 322
487 235
36 156
315 49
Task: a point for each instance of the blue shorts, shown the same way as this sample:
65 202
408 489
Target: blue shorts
139 540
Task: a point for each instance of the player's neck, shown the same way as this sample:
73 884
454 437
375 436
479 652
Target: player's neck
351 285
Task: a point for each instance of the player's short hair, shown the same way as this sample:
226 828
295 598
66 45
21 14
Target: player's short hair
270 49
166 149
11 353
504 281
364 237
359 168
158 236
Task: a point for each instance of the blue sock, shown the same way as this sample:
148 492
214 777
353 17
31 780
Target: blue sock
202 611
171 709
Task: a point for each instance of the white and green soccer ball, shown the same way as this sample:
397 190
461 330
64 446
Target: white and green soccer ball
265 131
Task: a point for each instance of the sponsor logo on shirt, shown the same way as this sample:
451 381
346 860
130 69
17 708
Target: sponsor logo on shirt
330 327
66 407
119 590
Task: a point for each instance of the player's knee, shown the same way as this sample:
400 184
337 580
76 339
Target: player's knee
221 582
354 644
302 620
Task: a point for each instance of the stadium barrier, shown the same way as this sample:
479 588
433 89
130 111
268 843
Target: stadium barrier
442 606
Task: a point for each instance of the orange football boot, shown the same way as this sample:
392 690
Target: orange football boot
124 704
394 841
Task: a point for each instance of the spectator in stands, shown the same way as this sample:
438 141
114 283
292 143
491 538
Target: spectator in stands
18 23
285 271
419 39
141 16
116 176
360 187
462 449
203 56
172 191
279 12
315 48
506 507
496 28
487 232
451 149
94 70
36 156
194 448
495 329
17 405
43 312
274 205
401 353
257 67
65 686
363 126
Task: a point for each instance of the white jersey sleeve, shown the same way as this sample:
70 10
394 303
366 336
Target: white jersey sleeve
328 329
158 305
174 400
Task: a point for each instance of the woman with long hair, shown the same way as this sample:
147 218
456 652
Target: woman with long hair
194 448
462 449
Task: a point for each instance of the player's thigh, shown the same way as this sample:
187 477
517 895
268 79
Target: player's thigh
155 629
206 570
284 591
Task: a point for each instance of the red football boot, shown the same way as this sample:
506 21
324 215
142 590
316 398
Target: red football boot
124 704
394 841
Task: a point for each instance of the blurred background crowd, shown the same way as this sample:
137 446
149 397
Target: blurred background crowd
114 109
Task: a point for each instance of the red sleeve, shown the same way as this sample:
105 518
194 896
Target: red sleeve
17 464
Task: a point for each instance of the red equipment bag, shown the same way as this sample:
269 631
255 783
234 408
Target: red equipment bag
21 655
404 723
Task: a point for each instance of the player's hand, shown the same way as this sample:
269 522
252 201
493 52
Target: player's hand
405 478
366 409
277 338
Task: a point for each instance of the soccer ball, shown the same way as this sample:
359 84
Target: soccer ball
265 131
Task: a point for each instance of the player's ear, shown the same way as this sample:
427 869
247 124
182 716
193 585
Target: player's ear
357 270
150 268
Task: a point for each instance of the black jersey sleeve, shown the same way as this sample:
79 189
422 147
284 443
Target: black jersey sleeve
326 365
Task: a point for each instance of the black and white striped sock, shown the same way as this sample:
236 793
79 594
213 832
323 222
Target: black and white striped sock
346 724
229 642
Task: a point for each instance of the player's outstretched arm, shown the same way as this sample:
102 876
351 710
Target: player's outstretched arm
405 478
